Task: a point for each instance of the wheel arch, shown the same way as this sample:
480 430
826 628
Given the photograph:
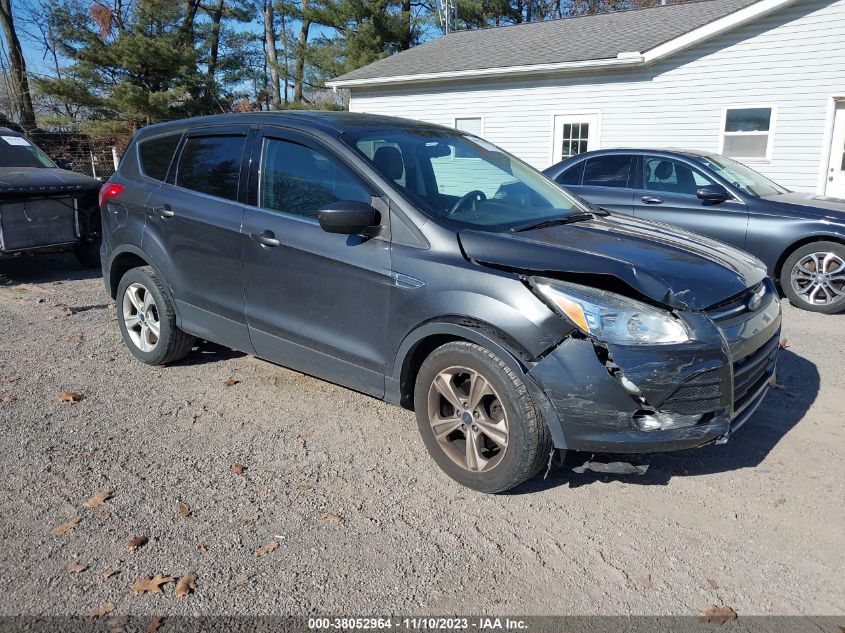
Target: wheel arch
427 337
124 260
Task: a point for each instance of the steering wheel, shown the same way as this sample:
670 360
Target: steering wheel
473 196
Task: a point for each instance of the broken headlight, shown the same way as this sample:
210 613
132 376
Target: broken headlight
610 317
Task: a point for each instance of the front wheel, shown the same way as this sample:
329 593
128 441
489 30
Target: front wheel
147 319
477 419
813 277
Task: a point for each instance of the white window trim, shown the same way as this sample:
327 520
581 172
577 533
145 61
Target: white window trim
771 133
572 113
455 118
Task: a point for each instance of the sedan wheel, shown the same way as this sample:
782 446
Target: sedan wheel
468 419
813 277
140 315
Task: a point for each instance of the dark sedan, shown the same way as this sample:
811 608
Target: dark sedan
799 236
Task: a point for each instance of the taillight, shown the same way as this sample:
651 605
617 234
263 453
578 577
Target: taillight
108 191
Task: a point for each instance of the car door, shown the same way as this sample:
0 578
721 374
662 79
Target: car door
666 192
194 231
315 301
605 180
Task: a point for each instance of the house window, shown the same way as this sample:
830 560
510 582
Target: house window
747 132
575 137
470 125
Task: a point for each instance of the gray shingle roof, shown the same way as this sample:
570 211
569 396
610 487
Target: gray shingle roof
574 39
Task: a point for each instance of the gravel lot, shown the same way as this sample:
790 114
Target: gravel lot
756 524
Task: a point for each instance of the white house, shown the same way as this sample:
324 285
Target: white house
759 80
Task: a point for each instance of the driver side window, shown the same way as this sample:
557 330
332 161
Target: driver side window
671 176
300 180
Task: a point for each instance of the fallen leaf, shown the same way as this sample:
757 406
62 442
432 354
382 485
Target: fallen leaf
66 527
74 338
70 396
303 435
184 510
103 609
240 579
644 581
780 501
151 585
304 487
201 548
13 379
717 615
68 313
186 585
238 469
266 549
108 573
99 499
137 543
231 382
783 343
331 518
76 568
7 399
712 584
153 625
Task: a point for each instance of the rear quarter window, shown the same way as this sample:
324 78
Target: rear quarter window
156 155
572 175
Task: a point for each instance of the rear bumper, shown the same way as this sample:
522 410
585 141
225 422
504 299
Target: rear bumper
715 382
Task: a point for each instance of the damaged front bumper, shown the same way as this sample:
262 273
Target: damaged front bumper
640 399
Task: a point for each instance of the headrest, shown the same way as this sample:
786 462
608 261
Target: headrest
389 161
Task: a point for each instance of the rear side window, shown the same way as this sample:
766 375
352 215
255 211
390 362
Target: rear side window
607 171
212 165
572 176
156 154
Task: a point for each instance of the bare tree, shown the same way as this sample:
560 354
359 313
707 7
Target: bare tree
19 81
272 55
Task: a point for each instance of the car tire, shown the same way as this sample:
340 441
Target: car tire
88 253
147 319
813 277
494 410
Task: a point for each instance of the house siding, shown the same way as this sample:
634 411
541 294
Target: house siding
793 60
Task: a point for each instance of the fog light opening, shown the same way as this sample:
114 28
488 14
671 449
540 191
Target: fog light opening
659 421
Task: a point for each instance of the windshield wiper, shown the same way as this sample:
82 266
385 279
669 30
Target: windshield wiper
566 219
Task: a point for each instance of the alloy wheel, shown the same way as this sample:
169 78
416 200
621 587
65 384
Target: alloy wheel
819 278
141 317
468 419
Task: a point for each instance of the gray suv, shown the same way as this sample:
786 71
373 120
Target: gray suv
428 267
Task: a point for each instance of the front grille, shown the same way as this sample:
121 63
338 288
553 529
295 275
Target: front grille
735 307
700 393
753 371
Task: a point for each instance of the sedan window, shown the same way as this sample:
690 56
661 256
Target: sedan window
607 171
671 176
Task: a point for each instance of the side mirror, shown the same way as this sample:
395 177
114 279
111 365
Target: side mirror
348 217
63 163
713 193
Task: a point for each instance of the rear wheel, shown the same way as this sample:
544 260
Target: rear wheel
477 419
813 277
147 319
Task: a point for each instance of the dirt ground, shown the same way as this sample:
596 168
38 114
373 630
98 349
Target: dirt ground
364 521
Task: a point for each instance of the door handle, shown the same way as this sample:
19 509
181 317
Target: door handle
652 200
165 211
266 238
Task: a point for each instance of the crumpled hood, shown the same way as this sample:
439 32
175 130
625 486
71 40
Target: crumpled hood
44 181
671 266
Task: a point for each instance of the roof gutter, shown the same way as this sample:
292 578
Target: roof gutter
623 60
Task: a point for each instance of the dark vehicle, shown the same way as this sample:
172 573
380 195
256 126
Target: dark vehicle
44 208
799 236
427 267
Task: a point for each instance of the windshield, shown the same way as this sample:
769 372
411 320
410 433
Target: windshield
743 177
463 178
16 151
